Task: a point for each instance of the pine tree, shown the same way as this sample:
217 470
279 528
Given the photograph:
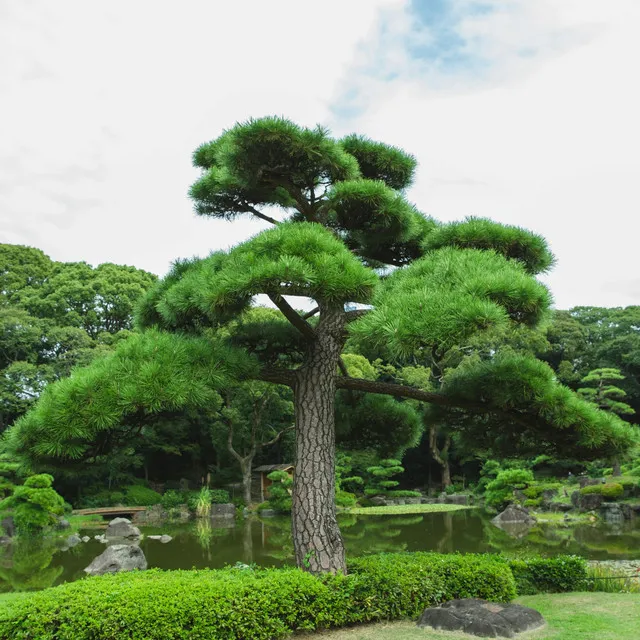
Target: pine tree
379 273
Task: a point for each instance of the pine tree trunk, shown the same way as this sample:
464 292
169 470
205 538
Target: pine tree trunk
316 537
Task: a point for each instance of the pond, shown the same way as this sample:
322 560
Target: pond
38 563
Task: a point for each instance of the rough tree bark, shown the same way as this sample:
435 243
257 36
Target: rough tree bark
316 537
441 456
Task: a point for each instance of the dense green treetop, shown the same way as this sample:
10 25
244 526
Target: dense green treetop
55 316
342 212
345 236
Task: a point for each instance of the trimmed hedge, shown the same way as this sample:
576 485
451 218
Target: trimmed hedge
549 575
609 491
252 604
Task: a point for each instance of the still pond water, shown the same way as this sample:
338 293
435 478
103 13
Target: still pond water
37 563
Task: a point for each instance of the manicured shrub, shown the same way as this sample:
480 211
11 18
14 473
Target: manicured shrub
137 495
500 491
35 505
248 603
345 499
172 499
609 491
549 575
402 584
536 490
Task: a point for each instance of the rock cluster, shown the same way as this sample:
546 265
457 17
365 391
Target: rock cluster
481 618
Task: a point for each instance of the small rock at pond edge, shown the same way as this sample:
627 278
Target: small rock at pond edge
85 538
73 540
165 538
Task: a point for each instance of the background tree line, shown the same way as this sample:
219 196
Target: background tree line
55 316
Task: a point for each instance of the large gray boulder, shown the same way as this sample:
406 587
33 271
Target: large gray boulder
514 513
119 557
481 618
586 502
122 528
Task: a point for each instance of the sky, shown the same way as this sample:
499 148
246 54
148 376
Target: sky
524 111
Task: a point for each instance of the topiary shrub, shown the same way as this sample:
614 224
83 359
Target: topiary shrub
499 492
172 499
549 575
609 491
35 505
345 499
260 604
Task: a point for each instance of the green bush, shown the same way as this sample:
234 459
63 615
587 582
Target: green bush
251 603
345 499
280 491
35 505
220 496
172 499
532 504
104 498
549 575
137 495
402 493
609 491
536 490
500 491
401 585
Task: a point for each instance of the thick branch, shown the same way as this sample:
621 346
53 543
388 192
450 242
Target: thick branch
259 214
293 316
287 377
311 313
232 451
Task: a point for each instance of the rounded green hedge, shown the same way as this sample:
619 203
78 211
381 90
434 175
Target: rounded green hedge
609 491
256 604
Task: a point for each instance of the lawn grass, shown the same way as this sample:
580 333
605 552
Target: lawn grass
85 522
569 616
406 508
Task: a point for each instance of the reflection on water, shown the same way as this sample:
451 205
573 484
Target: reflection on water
34 563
